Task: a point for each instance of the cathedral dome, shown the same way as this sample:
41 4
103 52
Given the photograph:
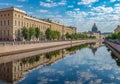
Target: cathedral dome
94 28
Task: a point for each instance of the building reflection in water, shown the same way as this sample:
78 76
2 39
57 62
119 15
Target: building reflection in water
95 46
13 71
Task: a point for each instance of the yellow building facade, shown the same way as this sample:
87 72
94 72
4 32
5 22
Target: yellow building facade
117 29
12 20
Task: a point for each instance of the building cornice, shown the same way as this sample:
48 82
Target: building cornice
35 19
14 9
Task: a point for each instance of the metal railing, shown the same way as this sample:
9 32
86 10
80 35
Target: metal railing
5 43
11 43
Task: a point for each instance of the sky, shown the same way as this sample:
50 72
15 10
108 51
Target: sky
80 13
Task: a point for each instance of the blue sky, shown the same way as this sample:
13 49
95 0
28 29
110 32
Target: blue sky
79 13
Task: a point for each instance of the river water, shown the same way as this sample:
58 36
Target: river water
90 63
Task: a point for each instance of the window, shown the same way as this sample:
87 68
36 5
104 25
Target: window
1 23
15 22
1 15
27 24
8 22
18 23
14 69
4 14
1 33
8 14
22 24
8 32
4 32
4 23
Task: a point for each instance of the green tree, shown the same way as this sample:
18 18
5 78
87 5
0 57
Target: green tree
58 35
48 34
25 33
55 35
37 32
31 32
68 36
118 35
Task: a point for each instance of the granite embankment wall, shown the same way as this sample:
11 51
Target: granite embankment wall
48 46
115 48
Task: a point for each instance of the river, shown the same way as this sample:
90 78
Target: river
90 63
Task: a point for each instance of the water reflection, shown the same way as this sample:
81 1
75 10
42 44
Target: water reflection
114 55
84 64
15 69
95 46
115 58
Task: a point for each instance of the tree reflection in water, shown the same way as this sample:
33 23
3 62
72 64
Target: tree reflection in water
15 69
51 54
31 60
115 58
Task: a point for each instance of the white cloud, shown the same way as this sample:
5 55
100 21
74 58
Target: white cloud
70 6
117 10
64 21
101 15
77 9
49 0
76 13
117 5
86 2
50 3
106 17
112 0
86 75
103 9
43 11
63 2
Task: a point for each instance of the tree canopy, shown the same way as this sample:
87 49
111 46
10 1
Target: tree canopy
78 36
114 36
28 33
51 34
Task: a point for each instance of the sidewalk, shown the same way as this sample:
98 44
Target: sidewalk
37 46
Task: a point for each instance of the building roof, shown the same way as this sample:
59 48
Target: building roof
118 28
13 8
94 28
36 19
